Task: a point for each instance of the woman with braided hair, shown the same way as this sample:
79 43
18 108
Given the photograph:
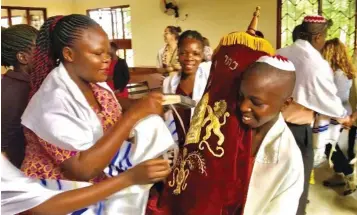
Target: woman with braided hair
17 47
74 125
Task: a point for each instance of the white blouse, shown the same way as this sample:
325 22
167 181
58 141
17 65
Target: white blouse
343 85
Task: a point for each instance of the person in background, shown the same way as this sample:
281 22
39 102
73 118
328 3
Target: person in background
296 32
259 34
207 50
17 50
190 82
352 137
337 56
167 57
119 74
315 91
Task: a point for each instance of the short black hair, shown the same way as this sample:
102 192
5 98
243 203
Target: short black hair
308 30
113 45
192 35
259 34
296 33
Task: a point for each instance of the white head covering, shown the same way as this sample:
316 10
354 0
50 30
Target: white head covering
278 62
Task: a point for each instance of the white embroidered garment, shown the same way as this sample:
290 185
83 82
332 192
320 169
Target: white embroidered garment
67 121
278 162
314 88
20 193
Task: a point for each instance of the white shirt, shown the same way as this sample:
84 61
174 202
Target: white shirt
277 179
314 88
159 63
343 85
60 114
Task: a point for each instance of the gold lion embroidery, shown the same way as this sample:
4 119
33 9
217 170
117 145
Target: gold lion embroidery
194 132
193 160
219 110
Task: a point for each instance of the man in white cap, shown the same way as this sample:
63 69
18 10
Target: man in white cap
314 92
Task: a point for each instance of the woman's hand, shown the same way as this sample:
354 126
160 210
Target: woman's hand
150 104
348 121
149 172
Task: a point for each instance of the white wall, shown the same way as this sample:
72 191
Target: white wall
212 18
54 7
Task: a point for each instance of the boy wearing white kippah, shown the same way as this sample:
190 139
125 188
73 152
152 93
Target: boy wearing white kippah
277 172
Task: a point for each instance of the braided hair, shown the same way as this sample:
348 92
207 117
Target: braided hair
15 39
55 34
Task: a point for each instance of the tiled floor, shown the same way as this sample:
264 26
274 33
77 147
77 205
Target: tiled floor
327 201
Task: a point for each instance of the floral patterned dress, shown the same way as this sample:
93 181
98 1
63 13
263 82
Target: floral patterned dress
43 159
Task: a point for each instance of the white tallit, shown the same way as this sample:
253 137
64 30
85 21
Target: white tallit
170 85
314 88
277 179
20 193
59 114
327 130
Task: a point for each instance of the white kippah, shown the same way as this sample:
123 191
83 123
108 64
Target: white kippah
278 62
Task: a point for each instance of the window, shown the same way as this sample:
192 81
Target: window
342 13
23 15
116 22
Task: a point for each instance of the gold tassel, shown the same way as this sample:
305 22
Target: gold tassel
243 38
